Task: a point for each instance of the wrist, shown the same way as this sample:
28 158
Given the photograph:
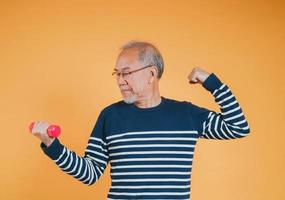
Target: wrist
48 141
204 77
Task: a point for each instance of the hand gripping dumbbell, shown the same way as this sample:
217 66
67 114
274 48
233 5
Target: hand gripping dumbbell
53 131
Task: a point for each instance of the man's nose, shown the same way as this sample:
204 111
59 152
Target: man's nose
121 80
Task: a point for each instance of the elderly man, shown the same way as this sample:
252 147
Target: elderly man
148 139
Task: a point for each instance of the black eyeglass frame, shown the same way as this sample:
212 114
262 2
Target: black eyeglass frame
129 73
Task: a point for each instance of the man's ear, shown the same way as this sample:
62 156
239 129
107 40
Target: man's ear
153 72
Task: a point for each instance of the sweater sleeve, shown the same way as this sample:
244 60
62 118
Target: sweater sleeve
91 166
230 123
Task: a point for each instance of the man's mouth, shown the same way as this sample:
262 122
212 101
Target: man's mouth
125 90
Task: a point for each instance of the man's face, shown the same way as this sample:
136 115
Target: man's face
132 86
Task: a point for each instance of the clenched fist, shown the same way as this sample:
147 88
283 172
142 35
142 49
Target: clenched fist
40 131
198 75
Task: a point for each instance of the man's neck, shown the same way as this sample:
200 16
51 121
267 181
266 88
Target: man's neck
149 101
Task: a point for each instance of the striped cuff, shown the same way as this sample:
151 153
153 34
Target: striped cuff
54 150
212 82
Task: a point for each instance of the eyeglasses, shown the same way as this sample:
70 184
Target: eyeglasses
125 74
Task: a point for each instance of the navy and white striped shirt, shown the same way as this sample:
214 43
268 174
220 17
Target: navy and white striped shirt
151 149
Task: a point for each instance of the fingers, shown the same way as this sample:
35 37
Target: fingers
193 76
198 75
193 81
40 127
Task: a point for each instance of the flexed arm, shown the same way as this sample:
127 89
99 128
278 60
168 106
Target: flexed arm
230 123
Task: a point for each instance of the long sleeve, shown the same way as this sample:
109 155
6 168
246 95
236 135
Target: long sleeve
91 166
230 123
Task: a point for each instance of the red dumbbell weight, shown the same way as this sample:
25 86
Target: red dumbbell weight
53 131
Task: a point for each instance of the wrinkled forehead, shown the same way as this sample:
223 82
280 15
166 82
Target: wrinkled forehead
127 60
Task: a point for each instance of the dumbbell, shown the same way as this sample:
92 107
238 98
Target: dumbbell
53 131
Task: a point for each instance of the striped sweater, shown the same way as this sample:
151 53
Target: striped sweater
151 150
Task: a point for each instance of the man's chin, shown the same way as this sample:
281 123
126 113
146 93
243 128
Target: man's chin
129 100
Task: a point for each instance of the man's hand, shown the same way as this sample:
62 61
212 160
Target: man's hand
198 75
40 131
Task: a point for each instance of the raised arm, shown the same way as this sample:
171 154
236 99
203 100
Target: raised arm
230 123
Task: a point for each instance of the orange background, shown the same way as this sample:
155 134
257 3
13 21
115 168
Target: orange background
56 59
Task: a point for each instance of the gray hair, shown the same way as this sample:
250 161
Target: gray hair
148 54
